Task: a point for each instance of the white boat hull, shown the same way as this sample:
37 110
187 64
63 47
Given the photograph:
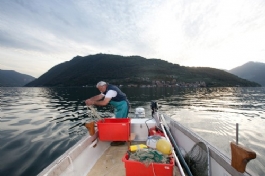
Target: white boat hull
186 139
80 158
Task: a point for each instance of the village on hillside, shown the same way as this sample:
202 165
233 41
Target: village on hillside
161 83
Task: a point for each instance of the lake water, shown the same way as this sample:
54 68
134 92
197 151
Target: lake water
37 125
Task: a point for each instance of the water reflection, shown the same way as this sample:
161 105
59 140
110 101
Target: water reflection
36 125
213 113
39 124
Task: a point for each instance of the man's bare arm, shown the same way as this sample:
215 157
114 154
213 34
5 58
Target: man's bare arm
103 102
91 100
97 97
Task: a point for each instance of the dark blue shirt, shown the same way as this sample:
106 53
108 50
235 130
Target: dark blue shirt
120 95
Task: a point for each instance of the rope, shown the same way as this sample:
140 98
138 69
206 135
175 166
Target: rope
94 112
163 122
153 169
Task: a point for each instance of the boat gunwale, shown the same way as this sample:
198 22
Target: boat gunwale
65 160
215 154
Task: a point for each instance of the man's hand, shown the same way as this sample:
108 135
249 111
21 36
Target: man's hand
89 102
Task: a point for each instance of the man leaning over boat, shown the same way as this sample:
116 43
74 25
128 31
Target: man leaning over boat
113 95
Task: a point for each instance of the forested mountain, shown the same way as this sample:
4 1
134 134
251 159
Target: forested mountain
252 71
88 70
10 78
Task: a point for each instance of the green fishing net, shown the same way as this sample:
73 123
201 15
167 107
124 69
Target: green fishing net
148 156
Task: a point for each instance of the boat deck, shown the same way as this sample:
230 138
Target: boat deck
110 163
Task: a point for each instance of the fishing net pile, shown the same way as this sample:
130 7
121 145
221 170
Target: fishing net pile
148 156
198 160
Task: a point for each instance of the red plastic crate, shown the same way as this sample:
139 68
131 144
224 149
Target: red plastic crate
155 131
111 129
134 168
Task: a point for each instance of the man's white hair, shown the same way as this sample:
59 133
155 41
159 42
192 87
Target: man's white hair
101 83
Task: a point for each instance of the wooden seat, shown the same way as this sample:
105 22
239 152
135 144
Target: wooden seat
131 138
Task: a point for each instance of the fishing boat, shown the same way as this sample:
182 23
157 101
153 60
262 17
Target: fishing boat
93 156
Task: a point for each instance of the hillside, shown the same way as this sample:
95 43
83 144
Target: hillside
137 70
10 78
252 71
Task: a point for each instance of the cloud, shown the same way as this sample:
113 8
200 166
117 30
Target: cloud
189 32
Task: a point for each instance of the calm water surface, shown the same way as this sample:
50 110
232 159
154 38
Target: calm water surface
37 125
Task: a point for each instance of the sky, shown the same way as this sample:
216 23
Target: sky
36 35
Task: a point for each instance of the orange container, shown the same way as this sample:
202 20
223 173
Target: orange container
110 129
154 169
